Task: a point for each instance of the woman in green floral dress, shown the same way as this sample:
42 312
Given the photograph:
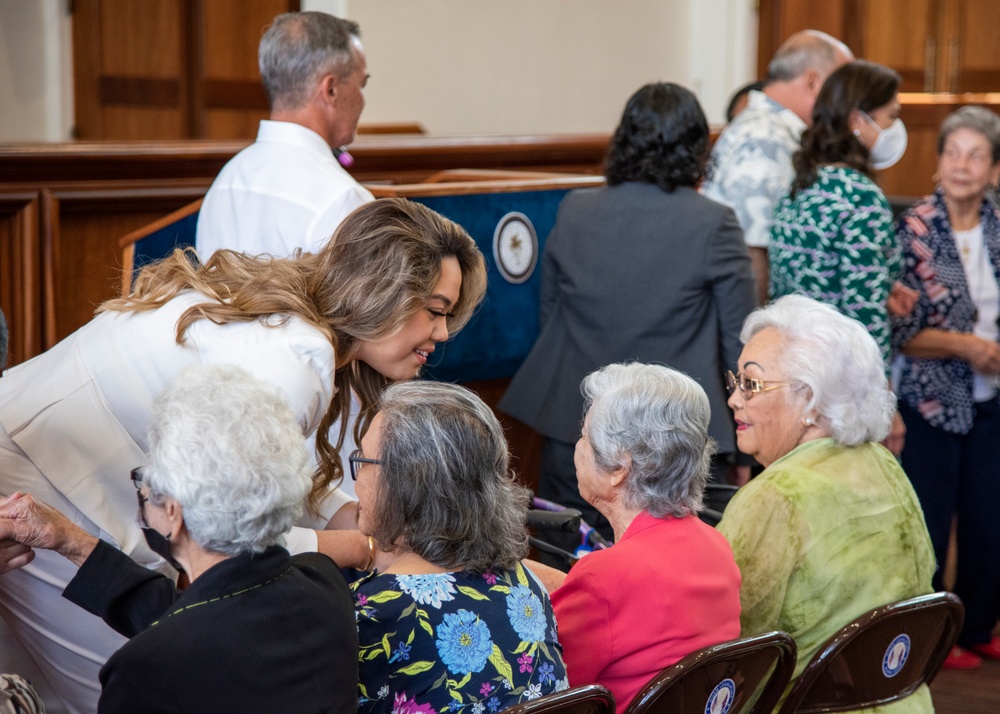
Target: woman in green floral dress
832 238
451 620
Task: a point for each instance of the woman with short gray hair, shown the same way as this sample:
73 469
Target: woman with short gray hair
256 629
670 585
831 528
454 616
948 383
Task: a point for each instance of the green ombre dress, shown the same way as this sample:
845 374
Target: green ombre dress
824 534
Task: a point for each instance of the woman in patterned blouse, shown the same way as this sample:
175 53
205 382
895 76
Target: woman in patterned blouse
452 621
948 389
832 237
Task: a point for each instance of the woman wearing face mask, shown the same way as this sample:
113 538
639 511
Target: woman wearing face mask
364 311
948 393
832 237
257 630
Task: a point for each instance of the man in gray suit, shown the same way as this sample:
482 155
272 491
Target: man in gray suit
644 269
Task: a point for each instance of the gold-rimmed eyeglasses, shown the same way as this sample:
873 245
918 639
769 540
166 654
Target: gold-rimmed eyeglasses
750 386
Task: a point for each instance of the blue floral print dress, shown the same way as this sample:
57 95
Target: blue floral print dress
455 642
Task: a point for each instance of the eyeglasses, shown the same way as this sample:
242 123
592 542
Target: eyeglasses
136 476
357 457
750 386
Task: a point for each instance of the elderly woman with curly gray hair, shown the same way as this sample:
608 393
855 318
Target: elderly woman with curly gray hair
256 629
670 585
452 618
831 528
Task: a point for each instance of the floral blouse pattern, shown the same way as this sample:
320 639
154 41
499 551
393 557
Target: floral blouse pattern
455 642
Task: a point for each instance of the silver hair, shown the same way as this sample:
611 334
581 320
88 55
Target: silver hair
444 490
228 448
833 357
804 51
652 420
978 119
298 48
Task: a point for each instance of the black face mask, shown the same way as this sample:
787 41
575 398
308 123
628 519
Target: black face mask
160 544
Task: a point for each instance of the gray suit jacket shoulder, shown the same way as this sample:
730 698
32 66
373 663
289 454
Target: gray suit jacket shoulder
632 272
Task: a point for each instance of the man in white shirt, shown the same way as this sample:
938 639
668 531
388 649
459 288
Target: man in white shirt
287 190
750 168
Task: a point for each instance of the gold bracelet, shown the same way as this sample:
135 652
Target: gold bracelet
371 554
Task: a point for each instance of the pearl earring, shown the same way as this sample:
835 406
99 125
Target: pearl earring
807 421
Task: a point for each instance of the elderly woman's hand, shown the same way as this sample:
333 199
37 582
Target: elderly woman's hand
34 524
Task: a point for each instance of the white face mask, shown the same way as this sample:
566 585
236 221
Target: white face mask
890 144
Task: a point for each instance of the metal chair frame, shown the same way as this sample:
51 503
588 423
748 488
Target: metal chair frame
589 699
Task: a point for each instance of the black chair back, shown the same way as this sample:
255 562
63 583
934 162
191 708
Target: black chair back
880 657
738 677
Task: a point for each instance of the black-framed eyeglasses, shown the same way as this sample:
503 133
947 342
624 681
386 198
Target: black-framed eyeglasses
136 476
357 457
750 386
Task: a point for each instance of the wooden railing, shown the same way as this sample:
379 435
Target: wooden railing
64 206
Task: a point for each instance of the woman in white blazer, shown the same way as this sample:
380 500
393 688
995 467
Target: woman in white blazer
367 309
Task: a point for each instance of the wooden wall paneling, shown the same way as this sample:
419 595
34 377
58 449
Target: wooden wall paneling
87 258
972 28
901 34
50 250
194 69
21 273
142 45
86 30
779 19
235 100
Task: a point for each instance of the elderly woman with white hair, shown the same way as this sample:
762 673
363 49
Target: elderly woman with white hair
670 585
257 629
453 620
831 528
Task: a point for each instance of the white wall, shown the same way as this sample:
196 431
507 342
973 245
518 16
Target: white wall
36 94
456 66
526 66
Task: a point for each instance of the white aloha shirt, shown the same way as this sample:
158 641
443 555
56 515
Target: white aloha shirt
750 168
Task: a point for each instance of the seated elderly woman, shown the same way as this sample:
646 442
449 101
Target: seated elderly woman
670 585
831 528
453 618
257 629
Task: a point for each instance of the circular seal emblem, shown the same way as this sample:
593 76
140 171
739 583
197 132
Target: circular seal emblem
515 247
895 655
721 698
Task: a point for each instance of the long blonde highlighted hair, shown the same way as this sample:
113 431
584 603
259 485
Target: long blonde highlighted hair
378 270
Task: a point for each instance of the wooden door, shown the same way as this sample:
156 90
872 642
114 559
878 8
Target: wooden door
169 69
969 33
902 34
779 19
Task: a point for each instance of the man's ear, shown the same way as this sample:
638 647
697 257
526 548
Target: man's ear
813 81
328 86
